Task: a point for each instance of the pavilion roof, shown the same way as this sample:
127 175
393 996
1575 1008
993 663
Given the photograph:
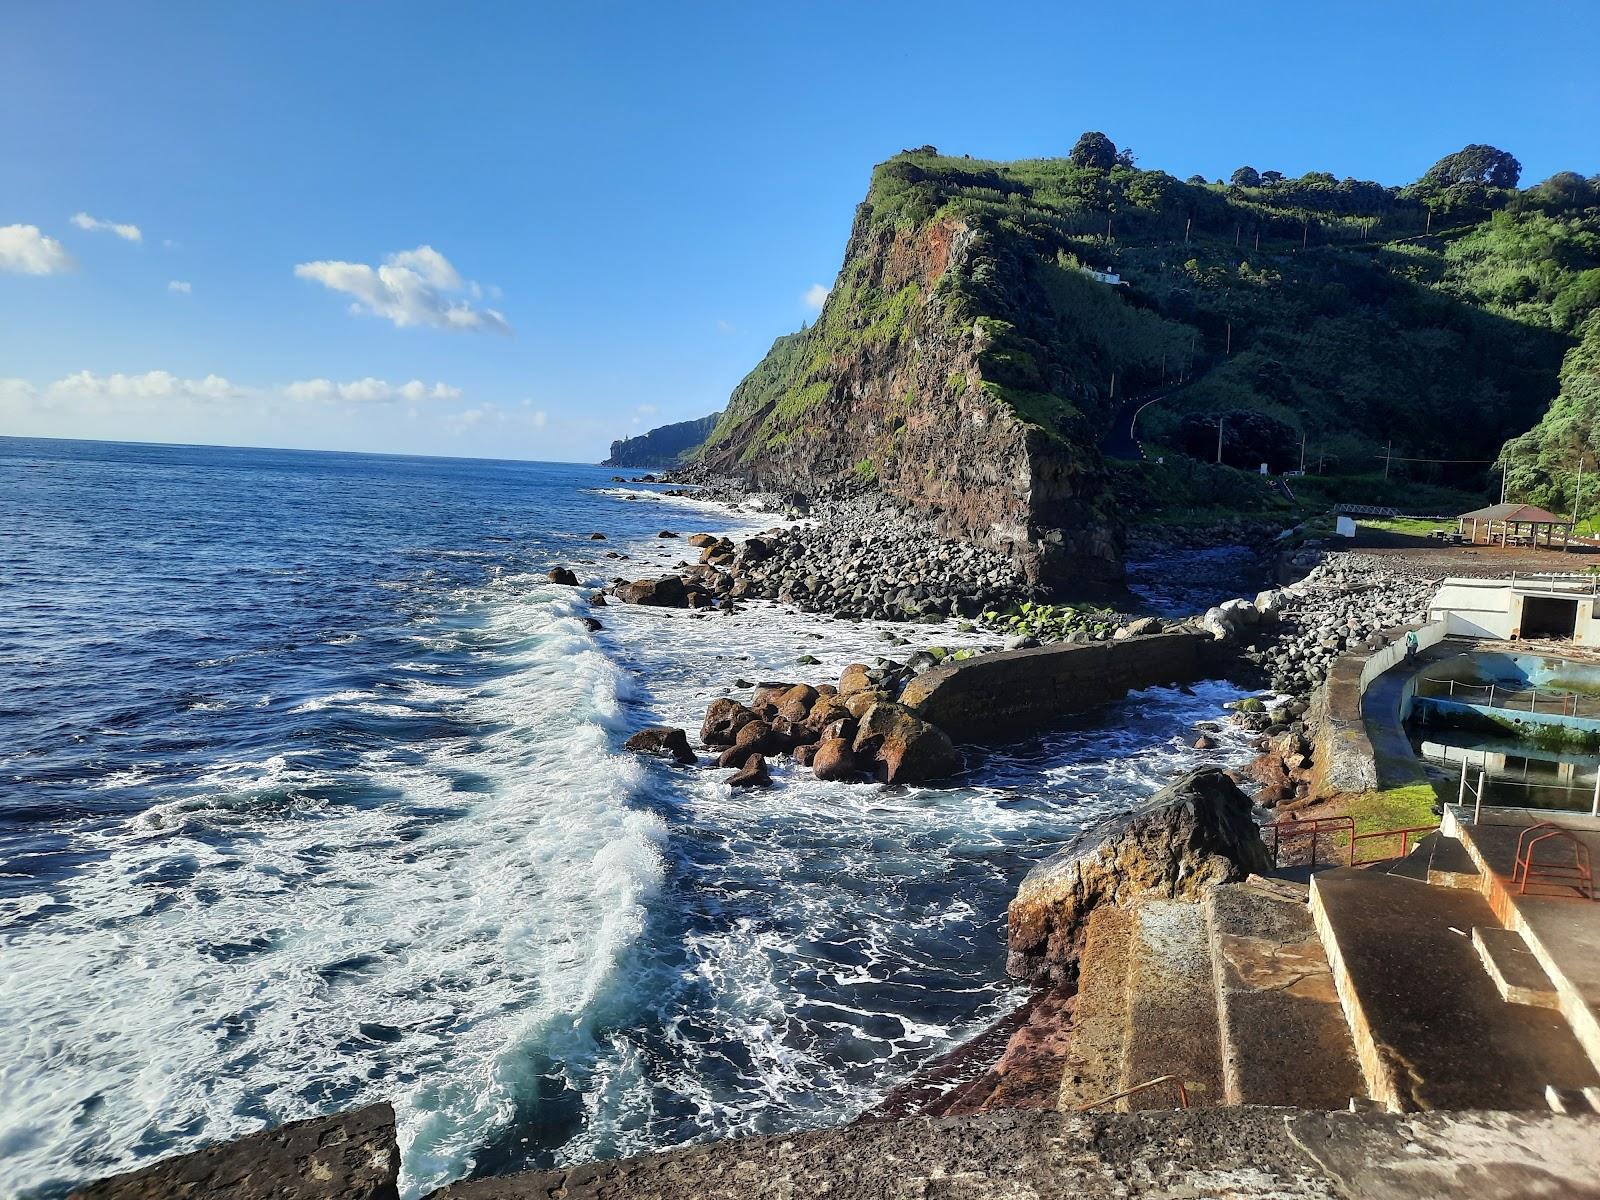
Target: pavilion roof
1519 514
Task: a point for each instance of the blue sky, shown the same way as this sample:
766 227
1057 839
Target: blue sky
520 230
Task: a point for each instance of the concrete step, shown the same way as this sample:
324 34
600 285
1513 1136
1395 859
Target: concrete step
1283 1037
1172 1011
1093 1066
1515 971
1430 1028
1449 865
1413 865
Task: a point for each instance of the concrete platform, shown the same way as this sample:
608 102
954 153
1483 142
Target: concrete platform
1561 930
1283 1037
1430 1028
1172 1012
1093 1067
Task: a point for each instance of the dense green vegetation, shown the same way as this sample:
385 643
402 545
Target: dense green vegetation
1356 324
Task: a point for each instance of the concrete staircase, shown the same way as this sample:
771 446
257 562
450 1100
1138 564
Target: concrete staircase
1448 1007
1232 996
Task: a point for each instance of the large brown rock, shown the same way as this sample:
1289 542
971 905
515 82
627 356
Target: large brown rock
666 592
663 742
348 1156
768 696
854 679
795 704
834 760
561 575
909 749
1192 834
724 719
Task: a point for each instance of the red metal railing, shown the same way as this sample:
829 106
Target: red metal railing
1176 1081
1579 874
1344 828
1313 827
1405 843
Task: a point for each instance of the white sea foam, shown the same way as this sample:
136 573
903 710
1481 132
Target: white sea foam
266 947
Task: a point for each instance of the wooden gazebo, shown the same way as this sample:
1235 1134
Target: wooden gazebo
1513 524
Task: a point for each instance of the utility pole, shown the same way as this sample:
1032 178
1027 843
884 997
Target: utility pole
1258 239
1502 485
1305 231
1220 417
1388 451
1577 499
1113 385
1188 222
1302 452
1237 230
1108 227
1229 347
1428 228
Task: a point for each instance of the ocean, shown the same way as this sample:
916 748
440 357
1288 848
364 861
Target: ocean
312 795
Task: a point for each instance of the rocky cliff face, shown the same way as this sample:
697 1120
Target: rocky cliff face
934 374
665 446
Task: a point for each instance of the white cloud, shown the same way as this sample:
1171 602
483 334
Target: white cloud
368 391
725 326
646 409
160 391
182 286
412 287
815 295
152 385
128 233
540 418
26 251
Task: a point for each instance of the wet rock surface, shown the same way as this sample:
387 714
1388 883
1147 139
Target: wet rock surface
348 1156
1193 833
1244 1153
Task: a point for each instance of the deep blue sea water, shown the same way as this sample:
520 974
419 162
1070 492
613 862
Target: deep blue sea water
311 794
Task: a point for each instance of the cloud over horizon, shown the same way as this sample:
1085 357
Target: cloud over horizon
815 295
128 233
411 287
26 251
151 389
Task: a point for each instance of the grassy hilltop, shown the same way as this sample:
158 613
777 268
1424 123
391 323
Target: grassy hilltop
1424 322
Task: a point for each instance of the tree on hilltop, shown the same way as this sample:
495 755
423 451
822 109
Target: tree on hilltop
1094 149
1245 177
1475 164
1270 177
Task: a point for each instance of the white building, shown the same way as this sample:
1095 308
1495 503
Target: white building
1523 606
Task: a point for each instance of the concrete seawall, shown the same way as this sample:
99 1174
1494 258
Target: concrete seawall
999 696
1347 721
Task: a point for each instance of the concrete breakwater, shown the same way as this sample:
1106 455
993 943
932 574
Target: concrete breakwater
1013 692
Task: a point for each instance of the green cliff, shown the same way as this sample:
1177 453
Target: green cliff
992 322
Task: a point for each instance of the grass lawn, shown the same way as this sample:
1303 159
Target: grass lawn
1408 525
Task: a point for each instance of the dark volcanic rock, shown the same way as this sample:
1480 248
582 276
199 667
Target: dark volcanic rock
348 1156
663 742
666 592
752 775
724 719
1193 833
562 575
909 749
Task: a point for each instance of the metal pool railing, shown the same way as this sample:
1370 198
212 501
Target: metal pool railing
1493 695
1525 793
